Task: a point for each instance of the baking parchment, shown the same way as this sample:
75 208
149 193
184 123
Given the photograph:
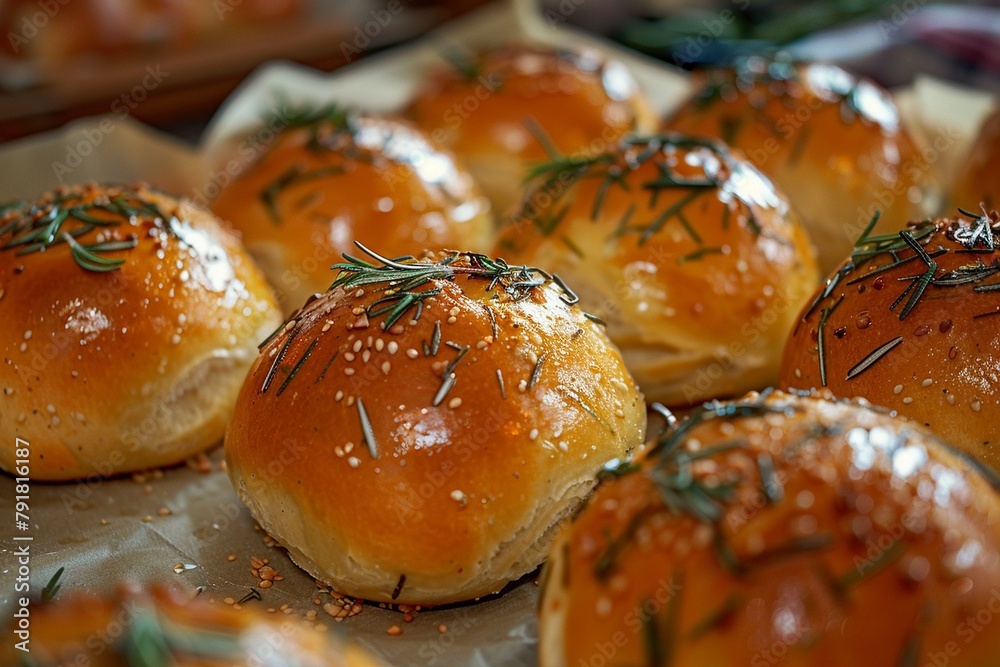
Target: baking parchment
181 525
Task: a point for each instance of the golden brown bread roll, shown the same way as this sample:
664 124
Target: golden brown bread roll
908 322
128 319
334 177
833 143
416 433
979 181
781 530
488 111
165 627
695 261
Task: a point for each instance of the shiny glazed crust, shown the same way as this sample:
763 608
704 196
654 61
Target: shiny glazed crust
781 530
913 330
834 144
492 109
334 178
695 261
109 371
429 462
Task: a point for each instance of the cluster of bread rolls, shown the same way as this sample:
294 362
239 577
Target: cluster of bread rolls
422 424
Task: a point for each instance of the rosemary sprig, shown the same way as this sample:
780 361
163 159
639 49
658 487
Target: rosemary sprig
292 176
38 227
408 283
873 357
52 588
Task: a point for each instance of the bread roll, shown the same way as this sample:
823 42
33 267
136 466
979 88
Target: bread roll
333 177
695 261
416 433
833 143
165 627
909 322
781 530
979 181
496 110
128 320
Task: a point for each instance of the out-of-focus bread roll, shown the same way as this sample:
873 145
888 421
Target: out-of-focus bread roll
910 322
417 433
167 628
979 181
695 261
781 530
491 110
128 320
833 143
335 177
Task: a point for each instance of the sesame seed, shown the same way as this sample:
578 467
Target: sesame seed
458 497
411 353
898 389
951 399
393 347
454 403
976 406
348 371
379 344
354 461
357 345
534 434
452 319
349 356
326 326
349 447
522 385
386 366
907 400
27 335
339 395
926 383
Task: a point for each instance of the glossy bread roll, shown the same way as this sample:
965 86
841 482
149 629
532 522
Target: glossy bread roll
492 109
334 177
979 181
833 143
128 320
167 628
417 433
695 261
910 322
781 530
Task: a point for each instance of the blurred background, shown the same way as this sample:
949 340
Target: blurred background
170 63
